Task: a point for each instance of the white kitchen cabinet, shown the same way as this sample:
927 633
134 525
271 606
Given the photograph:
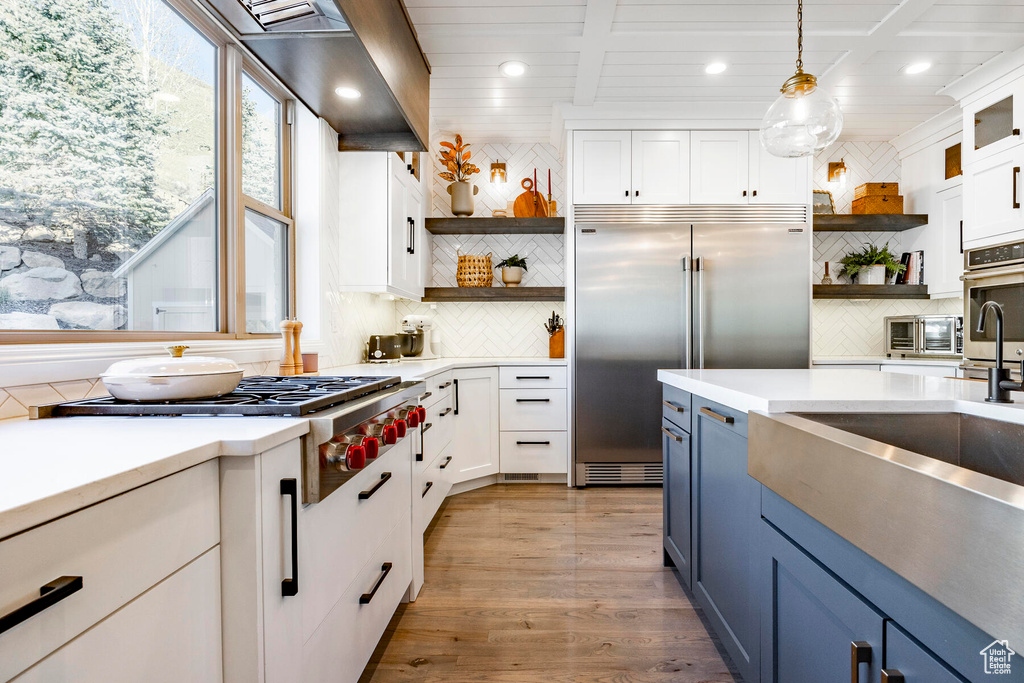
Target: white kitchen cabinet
383 239
993 120
474 445
661 167
602 167
776 180
719 167
992 198
944 279
534 452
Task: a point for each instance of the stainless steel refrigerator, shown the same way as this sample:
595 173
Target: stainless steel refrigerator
681 294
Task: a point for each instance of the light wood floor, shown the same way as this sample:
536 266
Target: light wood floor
539 582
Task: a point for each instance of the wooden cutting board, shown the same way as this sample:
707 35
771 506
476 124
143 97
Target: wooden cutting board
530 204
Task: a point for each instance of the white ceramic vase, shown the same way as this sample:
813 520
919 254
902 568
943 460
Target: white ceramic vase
872 275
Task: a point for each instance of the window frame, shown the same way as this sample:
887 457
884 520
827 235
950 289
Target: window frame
232 59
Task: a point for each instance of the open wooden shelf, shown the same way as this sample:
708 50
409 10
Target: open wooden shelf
824 222
496 226
870 291
438 294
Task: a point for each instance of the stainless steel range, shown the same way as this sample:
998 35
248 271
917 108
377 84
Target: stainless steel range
353 420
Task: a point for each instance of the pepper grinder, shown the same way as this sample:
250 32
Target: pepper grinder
827 280
296 351
288 357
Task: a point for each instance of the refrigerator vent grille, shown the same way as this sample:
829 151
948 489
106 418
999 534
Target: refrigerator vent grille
622 473
520 477
740 213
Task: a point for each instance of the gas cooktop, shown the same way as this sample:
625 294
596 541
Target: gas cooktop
282 396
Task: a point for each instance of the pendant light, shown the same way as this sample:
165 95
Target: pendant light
804 119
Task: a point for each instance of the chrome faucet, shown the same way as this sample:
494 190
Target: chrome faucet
999 384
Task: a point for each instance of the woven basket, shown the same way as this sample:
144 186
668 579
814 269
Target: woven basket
875 204
474 271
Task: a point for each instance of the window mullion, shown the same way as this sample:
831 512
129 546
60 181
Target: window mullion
234 200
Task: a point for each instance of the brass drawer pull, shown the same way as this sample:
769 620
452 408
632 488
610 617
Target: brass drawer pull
724 419
673 406
669 434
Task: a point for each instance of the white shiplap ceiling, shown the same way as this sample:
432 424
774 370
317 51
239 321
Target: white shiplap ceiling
649 56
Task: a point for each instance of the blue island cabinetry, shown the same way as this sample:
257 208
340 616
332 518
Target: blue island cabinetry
791 601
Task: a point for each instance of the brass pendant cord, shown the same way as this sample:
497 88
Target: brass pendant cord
800 36
799 82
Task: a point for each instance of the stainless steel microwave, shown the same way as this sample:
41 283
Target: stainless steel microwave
994 273
924 335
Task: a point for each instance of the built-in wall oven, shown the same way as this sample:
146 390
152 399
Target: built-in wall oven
924 335
994 273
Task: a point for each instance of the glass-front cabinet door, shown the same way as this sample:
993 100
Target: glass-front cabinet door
993 123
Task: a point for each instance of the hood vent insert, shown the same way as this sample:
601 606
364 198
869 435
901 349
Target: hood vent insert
274 12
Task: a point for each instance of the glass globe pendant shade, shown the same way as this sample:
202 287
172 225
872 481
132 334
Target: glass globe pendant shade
803 120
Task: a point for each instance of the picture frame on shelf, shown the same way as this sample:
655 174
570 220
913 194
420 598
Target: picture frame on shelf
823 203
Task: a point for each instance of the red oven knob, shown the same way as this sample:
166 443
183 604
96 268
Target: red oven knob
390 434
355 457
402 427
413 418
422 412
371 446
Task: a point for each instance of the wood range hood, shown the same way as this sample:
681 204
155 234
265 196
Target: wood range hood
315 46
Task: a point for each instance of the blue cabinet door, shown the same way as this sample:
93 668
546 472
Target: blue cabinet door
676 462
726 511
810 620
904 657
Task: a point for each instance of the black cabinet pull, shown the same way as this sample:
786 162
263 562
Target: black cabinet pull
673 406
892 676
744 193
636 193
724 419
447 461
456 397
413 236
860 653
445 412
363 495
411 172
1016 131
365 598
961 237
1016 176
410 245
427 425
426 488
533 400
627 193
755 193
675 437
49 595
290 587
533 443
533 377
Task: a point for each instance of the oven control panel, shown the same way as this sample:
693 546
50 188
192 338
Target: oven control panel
998 255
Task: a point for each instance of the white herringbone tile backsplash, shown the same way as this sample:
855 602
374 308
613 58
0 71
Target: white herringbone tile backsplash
488 329
855 328
866 162
545 257
520 162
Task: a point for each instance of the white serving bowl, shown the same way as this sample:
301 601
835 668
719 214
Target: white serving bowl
171 379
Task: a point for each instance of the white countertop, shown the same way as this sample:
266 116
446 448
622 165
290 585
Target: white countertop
778 391
879 360
51 467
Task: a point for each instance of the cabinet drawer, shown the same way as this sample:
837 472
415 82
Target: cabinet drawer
338 534
441 418
729 418
429 490
532 377
120 547
171 633
675 407
529 452
339 650
439 387
533 410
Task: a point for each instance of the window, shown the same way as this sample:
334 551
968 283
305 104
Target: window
114 172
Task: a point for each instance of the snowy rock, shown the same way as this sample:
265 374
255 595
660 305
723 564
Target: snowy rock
27 321
95 257
38 233
120 250
90 315
10 257
35 259
42 283
9 235
103 285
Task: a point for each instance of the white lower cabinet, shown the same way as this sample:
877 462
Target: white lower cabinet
475 439
534 452
120 549
534 420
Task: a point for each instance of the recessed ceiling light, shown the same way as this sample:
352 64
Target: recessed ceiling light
917 67
715 67
512 69
348 93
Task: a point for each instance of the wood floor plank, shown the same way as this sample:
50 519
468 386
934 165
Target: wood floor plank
543 583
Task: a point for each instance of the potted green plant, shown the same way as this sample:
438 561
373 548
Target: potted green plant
871 265
512 269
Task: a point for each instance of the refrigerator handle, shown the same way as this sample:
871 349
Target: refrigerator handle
699 266
687 313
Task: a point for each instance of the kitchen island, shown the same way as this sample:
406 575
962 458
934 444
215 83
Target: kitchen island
845 521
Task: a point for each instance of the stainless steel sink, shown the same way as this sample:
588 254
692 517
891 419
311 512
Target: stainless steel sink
936 497
978 444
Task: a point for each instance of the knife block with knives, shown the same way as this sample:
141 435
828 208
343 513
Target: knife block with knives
556 336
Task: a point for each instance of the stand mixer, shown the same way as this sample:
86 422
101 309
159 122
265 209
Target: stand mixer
425 323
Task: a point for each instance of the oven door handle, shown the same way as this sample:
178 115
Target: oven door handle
995 272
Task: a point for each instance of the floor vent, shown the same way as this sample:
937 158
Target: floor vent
520 477
595 474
